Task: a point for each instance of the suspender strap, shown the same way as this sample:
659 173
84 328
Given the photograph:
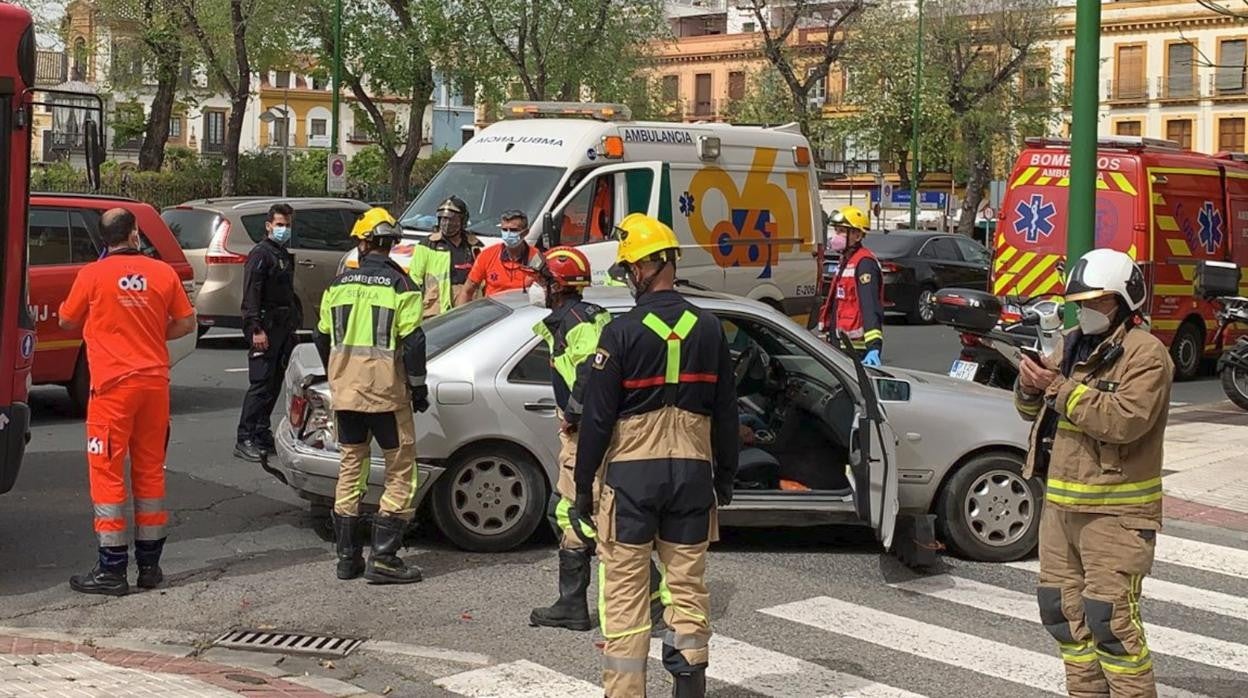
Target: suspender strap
673 336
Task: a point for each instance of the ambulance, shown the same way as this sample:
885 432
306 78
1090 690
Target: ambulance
744 201
1167 207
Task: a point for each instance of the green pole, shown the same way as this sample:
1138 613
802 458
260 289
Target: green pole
914 123
1081 223
337 79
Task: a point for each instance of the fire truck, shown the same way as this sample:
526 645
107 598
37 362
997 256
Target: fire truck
1167 207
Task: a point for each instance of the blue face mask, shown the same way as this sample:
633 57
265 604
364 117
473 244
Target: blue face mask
281 234
511 238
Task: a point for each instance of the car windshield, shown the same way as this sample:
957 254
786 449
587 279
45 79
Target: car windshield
447 330
885 245
488 189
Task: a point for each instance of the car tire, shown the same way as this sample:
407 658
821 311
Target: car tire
79 386
922 313
987 512
477 524
1188 351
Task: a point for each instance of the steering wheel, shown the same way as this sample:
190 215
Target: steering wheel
745 362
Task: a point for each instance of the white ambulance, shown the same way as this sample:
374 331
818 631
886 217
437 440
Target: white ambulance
744 201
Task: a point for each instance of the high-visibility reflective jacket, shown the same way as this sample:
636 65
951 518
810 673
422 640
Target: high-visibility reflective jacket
571 332
431 270
369 336
855 304
1109 413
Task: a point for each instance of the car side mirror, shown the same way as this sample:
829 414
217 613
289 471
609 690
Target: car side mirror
93 153
892 390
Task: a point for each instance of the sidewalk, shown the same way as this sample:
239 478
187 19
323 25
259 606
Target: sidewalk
31 664
1206 472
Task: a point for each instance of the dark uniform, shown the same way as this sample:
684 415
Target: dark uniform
660 412
269 304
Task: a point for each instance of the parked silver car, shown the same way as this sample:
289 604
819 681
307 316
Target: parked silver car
835 442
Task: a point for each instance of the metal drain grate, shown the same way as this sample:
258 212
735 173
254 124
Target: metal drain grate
288 643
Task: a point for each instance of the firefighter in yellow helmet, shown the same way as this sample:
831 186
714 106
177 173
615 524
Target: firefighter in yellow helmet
660 421
373 348
855 303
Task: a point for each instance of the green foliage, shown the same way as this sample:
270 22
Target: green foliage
767 99
368 167
128 123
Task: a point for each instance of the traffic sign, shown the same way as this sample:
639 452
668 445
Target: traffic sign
888 191
989 214
336 174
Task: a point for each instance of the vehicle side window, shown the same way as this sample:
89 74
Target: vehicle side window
254 225
582 216
973 251
84 237
48 240
321 229
942 249
533 368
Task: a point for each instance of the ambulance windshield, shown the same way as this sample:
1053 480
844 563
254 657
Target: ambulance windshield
488 189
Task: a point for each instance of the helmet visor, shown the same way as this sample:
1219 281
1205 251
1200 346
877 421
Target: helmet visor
385 230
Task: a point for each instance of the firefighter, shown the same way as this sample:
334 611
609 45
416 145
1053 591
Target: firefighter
451 250
571 332
371 343
660 421
128 305
855 303
1101 404
270 318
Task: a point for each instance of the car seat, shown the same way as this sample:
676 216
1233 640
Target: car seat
757 470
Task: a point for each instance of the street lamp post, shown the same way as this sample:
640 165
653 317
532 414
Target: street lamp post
914 123
270 118
1081 223
337 76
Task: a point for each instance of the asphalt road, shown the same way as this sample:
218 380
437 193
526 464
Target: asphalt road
796 613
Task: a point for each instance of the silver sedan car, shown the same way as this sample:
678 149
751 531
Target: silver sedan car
825 440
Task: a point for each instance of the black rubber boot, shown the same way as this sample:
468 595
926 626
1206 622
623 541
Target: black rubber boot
147 557
689 685
571 611
107 577
384 564
657 625
350 552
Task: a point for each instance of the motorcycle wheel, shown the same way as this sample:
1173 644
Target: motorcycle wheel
1235 385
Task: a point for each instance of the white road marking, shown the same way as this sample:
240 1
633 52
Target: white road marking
423 652
1174 550
1178 594
519 679
237 370
767 673
1016 604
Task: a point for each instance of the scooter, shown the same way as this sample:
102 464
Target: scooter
1219 283
995 330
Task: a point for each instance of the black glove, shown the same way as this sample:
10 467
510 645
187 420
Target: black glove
583 513
420 398
723 492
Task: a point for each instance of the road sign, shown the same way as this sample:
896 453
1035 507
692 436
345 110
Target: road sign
888 191
336 174
989 214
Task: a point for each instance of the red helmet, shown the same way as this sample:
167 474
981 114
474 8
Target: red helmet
568 267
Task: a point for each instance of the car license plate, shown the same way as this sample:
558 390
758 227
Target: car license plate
965 370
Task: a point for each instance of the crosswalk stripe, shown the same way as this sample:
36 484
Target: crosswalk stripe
518 679
952 647
1202 556
1015 604
766 673
1179 594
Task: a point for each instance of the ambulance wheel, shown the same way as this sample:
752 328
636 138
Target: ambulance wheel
1188 350
987 511
79 386
491 498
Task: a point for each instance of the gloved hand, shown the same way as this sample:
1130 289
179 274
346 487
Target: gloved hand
420 398
585 506
872 358
723 492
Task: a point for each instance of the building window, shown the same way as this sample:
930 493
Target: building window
1231 134
79 70
1070 74
1129 82
214 131
818 93
1230 75
736 85
280 131
320 83
702 105
468 92
1129 128
671 88
466 134
283 79
318 128
175 127
1180 131
747 27
1180 80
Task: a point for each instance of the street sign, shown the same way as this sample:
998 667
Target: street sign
989 214
336 174
900 198
888 191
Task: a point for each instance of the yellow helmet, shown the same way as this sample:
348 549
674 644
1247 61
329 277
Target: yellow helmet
375 223
850 217
641 237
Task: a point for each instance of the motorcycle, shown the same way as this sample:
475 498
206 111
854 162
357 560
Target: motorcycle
995 330
1219 283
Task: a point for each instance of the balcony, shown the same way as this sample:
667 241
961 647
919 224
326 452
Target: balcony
1229 84
51 68
1178 88
1127 91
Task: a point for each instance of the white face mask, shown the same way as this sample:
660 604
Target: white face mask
537 295
1093 322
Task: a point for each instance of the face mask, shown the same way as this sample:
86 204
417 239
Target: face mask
836 242
1093 322
281 234
511 238
537 295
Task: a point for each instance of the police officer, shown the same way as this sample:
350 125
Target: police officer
1102 404
571 332
371 343
455 250
855 304
270 318
660 417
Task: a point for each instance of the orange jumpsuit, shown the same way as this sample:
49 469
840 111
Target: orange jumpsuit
125 302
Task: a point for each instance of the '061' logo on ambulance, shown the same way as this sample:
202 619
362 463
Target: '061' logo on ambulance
132 282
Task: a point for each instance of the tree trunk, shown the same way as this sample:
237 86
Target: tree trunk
233 135
401 167
978 177
152 152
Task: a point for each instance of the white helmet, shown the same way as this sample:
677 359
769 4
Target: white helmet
1105 272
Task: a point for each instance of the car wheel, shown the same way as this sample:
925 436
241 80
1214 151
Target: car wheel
1187 350
988 512
490 499
923 312
79 386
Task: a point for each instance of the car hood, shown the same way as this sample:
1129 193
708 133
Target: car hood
941 405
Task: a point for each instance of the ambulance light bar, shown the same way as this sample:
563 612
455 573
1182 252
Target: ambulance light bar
1108 142
602 111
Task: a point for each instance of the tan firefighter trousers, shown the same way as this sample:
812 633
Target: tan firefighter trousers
398 496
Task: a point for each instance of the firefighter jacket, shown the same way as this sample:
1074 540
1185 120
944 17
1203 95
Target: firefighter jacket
572 334
660 388
1109 412
461 256
855 304
269 302
369 337
430 269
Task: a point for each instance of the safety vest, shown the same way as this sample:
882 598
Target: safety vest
846 305
672 376
431 270
576 344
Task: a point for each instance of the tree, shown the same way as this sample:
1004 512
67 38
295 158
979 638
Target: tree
399 63
766 100
802 39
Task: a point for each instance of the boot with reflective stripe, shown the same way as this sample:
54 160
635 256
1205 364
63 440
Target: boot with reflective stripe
350 552
384 564
689 685
571 611
107 577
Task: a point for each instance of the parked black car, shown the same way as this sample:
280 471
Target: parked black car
917 264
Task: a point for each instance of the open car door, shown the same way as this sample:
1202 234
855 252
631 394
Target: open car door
873 458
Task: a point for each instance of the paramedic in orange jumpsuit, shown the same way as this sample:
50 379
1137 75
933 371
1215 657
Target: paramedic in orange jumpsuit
128 305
